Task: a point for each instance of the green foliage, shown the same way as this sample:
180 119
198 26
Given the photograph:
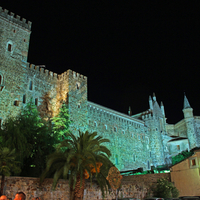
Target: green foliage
61 122
32 138
165 189
75 155
181 156
8 162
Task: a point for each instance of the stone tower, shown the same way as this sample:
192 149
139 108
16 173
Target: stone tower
154 121
14 43
189 121
73 88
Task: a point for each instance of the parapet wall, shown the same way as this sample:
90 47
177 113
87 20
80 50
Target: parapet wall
16 19
137 186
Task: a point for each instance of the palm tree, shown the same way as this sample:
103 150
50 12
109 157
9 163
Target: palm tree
8 164
78 158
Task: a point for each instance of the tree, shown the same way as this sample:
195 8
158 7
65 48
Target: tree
61 122
165 189
181 156
32 138
78 158
8 164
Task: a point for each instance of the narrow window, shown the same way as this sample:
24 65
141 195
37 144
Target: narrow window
134 157
77 86
178 147
150 154
95 124
1 121
9 47
115 129
36 101
193 162
24 98
123 132
79 105
106 127
116 159
148 165
1 79
31 85
16 103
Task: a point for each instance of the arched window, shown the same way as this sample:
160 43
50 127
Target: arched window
31 85
9 47
36 101
16 103
1 79
24 98
1 82
78 85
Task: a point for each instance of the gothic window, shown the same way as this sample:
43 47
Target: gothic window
24 98
31 85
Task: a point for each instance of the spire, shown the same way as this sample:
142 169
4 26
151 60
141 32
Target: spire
154 97
186 103
129 111
150 103
162 108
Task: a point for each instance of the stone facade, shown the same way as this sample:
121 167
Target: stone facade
132 186
141 140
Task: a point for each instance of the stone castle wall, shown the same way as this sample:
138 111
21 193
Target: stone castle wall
137 186
129 137
136 141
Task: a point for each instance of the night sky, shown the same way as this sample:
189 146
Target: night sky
127 49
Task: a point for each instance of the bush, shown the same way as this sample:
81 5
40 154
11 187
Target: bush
165 189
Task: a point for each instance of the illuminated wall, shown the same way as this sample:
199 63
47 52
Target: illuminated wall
140 140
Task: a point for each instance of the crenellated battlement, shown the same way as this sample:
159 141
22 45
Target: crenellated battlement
43 71
73 74
15 18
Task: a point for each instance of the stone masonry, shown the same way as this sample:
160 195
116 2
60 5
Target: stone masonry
141 140
136 186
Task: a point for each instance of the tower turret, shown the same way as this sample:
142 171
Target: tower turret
162 108
154 97
150 103
187 109
189 121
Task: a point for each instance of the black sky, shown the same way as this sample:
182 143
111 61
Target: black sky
127 49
